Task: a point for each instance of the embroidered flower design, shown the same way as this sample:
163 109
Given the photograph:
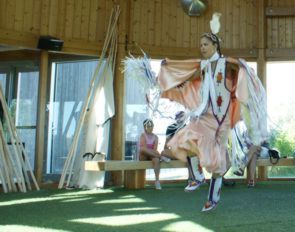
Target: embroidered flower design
219 77
219 100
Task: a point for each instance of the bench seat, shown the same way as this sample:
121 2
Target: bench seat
118 165
134 171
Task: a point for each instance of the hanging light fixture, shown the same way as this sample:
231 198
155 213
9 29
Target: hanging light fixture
194 7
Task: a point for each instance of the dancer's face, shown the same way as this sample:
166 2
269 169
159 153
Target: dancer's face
207 48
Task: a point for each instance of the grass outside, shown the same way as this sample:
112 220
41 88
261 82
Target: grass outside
270 206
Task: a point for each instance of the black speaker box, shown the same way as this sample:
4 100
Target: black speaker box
50 43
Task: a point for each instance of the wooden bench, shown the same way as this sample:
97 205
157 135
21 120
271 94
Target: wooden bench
134 175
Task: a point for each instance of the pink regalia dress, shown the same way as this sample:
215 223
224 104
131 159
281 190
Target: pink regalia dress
214 96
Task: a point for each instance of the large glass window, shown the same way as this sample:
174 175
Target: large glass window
281 109
69 86
19 82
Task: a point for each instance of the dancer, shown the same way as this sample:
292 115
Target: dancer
215 89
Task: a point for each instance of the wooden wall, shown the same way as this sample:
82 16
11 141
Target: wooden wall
159 26
280 29
80 23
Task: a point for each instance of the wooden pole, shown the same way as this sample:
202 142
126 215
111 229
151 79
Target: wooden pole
8 158
41 115
4 177
108 44
6 183
17 158
71 156
261 61
14 155
117 128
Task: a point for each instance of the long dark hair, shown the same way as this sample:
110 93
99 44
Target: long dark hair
214 39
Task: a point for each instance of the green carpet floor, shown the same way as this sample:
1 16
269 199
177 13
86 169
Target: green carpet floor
270 206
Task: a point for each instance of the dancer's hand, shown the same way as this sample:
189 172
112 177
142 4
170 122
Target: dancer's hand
193 116
163 62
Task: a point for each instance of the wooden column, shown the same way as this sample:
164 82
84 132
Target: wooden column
262 33
117 130
261 61
41 113
134 179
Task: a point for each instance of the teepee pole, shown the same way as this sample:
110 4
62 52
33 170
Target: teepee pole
17 159
69 163
3 161
15 154
3 170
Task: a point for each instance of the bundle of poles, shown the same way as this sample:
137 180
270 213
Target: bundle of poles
108 55
15 170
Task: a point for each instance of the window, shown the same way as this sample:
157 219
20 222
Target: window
69 86
25 108
19 82
280 84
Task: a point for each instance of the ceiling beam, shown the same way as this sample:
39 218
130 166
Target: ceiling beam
279 11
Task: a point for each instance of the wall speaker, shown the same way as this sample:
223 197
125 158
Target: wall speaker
50 43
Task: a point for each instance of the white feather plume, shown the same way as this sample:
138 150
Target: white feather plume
214 23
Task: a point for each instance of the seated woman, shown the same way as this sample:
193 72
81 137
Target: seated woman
148 149
245 152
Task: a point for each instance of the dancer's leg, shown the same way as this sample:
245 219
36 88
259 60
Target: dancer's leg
195 173
214 193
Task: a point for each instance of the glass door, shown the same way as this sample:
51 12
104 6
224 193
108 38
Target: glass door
70 82
24 108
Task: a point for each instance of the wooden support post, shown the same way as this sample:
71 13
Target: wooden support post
261 42
261 62
117 135
43 74
117 131
134 179
40 131
262 173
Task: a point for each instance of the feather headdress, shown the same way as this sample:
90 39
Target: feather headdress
215 23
